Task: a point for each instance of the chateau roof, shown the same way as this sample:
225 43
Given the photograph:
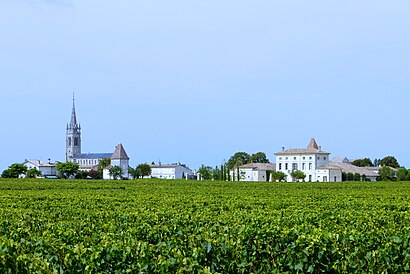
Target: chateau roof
293 151
259 166
312 148
92 155
119 153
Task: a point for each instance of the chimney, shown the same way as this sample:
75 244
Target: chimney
320 148
283 148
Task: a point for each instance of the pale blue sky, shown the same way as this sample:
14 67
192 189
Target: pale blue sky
197 81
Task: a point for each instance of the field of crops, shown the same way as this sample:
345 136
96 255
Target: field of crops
153 226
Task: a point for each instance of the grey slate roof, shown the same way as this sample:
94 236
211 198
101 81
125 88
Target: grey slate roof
169 166
293 151
119 153
346 167
259 166
92 155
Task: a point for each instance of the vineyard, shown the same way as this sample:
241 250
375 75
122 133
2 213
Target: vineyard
153 226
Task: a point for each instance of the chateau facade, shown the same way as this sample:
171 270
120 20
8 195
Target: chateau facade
313 161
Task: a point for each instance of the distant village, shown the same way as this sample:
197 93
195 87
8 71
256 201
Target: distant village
311 163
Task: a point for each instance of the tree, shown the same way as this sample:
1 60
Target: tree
389 161
259 157
350 177
67 169
357 177
238 159
115 172
278 176
216 173
33 173
95 174
365 162
344 176
143 170
298 175
82 174
14 171
403 174
206 172
386 174
102 164
133 173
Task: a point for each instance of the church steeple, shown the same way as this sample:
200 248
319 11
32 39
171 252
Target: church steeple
73 136
73 123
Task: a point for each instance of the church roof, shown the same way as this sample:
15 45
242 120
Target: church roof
119 153
92 155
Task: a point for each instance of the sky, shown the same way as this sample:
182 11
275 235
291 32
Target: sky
196 81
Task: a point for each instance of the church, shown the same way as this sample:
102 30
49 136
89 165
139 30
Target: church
89 161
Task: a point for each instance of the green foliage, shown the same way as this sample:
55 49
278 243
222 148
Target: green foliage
202 227
33 173
389 161
259 157
206 172
67 169
104 163
298 175
350 176
115 172
387 174
143 170
278 176
14 171
81 174
366 162
357 177
403 174
238 159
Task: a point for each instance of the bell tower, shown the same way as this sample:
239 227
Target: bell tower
73 136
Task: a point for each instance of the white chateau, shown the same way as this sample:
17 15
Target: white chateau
313 161
89 161
173 171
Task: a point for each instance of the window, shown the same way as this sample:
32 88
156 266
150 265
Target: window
335 179
294 166
324 178
324 158
294 158
310 166
69 141
318 157
304 158
286 166
303 166
280 158
310 158
280 166
310 178
286 158
75 141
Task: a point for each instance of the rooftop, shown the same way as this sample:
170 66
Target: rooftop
259 166
119 153
92 155
312 148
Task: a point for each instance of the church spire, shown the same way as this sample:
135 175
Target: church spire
73 122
